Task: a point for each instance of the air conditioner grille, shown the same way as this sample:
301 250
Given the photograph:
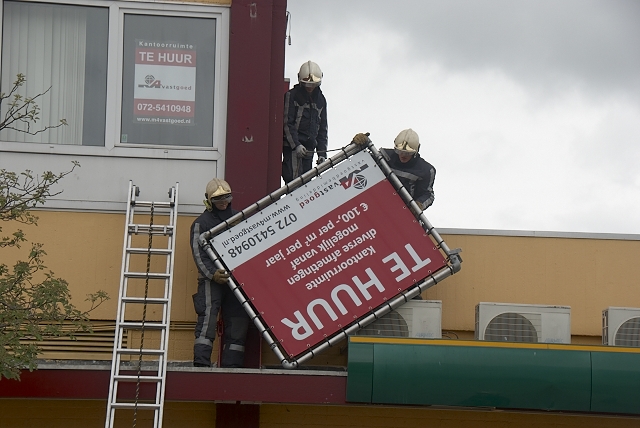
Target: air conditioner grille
392 324
511 327
629 333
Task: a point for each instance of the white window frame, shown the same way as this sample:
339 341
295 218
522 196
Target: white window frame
115 60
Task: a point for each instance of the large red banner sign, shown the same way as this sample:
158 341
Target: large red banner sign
328 253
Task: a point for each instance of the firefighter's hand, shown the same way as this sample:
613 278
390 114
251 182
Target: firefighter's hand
419 210
301 151
221 276
320 160
361 139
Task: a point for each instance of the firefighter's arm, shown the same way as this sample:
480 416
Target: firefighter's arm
424 194
290 131
323 135
200 257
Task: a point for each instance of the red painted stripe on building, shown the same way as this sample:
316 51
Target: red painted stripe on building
217 385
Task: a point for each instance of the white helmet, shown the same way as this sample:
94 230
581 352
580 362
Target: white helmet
407 141
310 74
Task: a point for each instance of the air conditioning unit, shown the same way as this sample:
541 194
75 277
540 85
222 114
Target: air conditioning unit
507 322
416 318
621 326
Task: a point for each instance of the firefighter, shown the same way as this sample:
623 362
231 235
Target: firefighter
305 123
213 293
415 174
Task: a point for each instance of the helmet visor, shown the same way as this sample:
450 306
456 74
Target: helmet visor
222 198
404 152
307 83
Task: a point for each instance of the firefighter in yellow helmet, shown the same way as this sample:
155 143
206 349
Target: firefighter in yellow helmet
416 174
213 292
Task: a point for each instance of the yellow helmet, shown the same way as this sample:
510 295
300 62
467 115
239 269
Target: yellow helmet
217 188
407 141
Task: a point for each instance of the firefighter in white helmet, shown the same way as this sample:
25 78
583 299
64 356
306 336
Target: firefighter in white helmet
305 123
416 174
213 292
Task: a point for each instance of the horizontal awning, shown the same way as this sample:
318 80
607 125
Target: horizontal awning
504 375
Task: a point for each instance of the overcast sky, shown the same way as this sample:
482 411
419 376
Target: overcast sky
529 110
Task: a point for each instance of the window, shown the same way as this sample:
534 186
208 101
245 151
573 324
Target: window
62 50
168 80
122 74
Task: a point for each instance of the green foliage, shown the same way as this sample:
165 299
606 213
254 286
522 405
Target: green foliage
34 303
23 112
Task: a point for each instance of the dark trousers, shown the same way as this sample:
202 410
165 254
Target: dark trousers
208 301
293 166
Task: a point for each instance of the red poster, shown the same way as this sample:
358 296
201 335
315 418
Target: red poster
333 268
165 82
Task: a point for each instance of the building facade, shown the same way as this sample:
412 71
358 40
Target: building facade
165 92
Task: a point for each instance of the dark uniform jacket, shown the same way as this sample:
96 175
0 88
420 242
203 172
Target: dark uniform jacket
417 176
305 120
204 222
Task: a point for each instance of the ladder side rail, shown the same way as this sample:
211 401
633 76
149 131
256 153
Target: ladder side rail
115 360
158 356
173 220
139 377
122 306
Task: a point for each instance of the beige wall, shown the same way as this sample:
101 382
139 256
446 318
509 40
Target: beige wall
21 413
290 416
91 413
86 250
587 274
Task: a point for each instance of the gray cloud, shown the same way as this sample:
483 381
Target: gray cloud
530 110
592 44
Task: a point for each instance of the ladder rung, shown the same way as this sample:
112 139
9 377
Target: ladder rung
155 230
138 325
155 204
134 351
149 406
150 300
151 275
134 378
146 251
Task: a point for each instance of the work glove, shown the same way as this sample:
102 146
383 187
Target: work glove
419 210
320 160
361 139
221 276
301 151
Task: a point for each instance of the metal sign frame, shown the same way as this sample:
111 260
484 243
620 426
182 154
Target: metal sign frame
451 266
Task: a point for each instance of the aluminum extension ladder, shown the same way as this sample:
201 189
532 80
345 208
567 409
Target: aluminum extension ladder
144 308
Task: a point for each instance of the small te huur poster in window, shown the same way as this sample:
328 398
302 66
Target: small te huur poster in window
165 83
